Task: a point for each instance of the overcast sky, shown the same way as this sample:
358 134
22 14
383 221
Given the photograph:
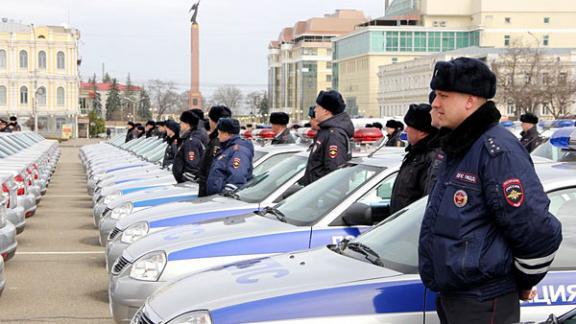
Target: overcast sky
150 38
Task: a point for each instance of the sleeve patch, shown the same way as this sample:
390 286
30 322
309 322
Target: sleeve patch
333 151
513 192
236 163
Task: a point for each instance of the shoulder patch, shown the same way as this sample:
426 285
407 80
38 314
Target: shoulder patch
513 192
236 163
494 149
333 151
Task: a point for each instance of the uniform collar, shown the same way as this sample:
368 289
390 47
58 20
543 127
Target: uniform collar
459 141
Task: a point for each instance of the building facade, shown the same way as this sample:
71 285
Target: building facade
300 61
407 83
39 76
417 28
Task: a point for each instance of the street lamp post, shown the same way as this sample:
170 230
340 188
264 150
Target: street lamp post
37 92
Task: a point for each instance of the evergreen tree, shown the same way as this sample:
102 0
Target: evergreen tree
144 111
96 100
106 78
114 103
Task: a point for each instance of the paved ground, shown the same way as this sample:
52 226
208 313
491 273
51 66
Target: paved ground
58 274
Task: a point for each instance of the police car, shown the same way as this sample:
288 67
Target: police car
122 206
371 279
264 190
2 278
317 215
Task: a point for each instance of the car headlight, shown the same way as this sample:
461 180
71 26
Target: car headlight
110 198
121 211
135 232
149 267
197 317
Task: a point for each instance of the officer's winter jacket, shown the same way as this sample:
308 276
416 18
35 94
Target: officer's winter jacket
331 148
191 149
487 230
394 139
130 135
232 166
284 138
212 150
171 150
414 180
531 139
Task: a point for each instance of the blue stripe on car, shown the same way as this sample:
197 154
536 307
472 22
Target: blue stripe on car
131 190
273 243
127 180
159 201
199 217
124 167
378 298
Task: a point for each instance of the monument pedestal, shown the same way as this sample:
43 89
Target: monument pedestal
195 97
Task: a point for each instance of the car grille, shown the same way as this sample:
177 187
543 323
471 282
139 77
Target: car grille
120 264
114 233
141 318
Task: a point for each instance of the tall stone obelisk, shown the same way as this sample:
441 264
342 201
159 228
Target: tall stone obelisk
195 99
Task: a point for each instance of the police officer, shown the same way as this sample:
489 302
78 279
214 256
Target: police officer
232 167
161 130
4 126
150 128
213 147
193 141
487 237
172 137
530 136
413 181
394 129
279 121
129 131
331 147
138 131
14 127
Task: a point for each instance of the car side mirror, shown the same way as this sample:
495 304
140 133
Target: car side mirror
358 214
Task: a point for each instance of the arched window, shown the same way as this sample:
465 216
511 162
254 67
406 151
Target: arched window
24 95
2 59
2 96
41 96
60 96
60 62
42 60
23 59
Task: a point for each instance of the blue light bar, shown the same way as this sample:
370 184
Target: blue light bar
507 123
564 138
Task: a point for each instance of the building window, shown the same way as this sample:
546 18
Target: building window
2 96
546 40
507 20
447 41
544 109
59 122
42 60
462 39
392 41
23 95
329 65
511 109
60 62
328 78
506 40
23 59
434 41
60 96
394 60
2 59
420 41
41 96
546 20
406 41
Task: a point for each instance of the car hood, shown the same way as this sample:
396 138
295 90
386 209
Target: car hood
282 276
183 213
157 193
238 235
140 184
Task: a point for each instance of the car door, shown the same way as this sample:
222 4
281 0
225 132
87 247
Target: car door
377 198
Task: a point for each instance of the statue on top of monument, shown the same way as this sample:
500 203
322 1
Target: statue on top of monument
194 7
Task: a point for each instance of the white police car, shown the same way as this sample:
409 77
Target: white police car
314 216
371 279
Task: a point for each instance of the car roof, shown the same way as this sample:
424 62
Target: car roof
382 159
557 175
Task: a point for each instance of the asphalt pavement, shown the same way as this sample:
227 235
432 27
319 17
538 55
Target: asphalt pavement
58 274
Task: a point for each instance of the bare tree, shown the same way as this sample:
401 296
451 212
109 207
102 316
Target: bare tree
163 97
560 88
254 100
229 96
518 72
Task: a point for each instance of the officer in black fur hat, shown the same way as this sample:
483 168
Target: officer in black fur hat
530 136
393 130
172 136
193 141
413 181
279 121
332 144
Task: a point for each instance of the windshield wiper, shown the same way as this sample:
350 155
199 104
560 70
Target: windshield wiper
231 194
276 212
365 250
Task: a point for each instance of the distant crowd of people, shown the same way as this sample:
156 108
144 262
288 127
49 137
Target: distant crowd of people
9 126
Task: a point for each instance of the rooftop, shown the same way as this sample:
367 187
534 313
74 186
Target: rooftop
107 86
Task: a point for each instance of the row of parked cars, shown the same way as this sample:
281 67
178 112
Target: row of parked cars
274 251
27 162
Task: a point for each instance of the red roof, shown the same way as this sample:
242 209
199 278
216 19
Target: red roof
107 86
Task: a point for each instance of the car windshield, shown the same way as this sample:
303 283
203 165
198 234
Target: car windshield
309 205
269 181
551 152
258 155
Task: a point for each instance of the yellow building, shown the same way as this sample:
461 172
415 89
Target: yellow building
300 61
416 28
39 75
